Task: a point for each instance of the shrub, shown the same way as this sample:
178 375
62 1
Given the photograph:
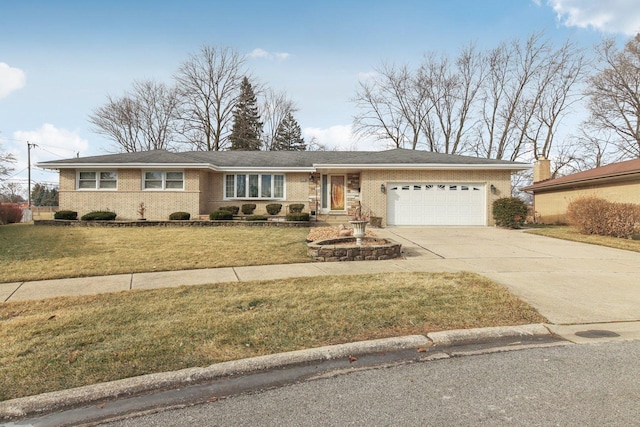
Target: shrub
233 209
591 215
296 208
256 218
509 212
221 215
297 216
180 216
10 214
99 216
70 215
248 208
274 208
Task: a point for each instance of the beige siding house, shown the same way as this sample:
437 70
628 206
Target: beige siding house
617 182
403 187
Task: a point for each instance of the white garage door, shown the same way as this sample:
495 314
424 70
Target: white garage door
435 204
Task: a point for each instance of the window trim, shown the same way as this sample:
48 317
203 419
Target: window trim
226 184
164 180
97 180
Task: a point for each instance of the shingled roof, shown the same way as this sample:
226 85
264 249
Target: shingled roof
621 171
284 159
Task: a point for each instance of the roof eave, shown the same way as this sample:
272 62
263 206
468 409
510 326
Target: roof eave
137 165
621 177
422 166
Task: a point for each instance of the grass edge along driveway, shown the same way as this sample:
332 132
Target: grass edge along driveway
60 343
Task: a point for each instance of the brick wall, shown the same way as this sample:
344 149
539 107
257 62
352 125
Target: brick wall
126 200
297 190
551 207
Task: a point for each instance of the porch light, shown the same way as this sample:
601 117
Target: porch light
383 188
494 190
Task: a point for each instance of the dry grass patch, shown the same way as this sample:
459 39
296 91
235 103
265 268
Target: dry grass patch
29 252
67 342
571 233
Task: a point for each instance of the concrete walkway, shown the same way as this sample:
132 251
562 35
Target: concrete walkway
567 282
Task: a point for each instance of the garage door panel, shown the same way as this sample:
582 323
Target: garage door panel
436 204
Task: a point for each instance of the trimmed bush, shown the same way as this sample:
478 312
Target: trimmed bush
591 215
69 215
180 216
256 218
248 208
510 212
296 208
10 214
221 215
233 209
297 216
274 208
99 216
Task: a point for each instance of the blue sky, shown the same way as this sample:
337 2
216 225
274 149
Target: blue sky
60 59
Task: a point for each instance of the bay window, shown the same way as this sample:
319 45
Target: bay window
254 186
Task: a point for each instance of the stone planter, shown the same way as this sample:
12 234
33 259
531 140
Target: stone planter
359 228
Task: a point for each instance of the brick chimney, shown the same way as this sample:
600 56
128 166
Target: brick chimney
541 169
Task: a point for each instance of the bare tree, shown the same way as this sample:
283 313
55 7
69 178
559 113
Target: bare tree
565 69
275 106
451 90
208 86
614 95
6 160
11 192
142 119
393 106
503 103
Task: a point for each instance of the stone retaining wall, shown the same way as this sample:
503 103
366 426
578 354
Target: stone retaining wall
188 223
337 250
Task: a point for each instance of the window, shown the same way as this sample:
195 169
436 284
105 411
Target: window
160 180
254 186
97 180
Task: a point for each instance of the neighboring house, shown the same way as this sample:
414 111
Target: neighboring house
618 182
404 187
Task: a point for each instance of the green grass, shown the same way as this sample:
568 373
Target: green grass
66 342
570 233
29 252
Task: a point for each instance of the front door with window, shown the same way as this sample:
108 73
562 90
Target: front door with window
337 192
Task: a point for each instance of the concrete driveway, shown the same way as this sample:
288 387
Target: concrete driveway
568 282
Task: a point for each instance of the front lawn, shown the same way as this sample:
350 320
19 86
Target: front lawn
29 252
570 233
67 342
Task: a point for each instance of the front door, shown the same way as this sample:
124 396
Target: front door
337 192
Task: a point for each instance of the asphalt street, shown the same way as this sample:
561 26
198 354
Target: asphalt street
574 385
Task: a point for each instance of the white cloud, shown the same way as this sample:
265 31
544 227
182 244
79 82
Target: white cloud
11 79
611 16
271 56
52 144
341 138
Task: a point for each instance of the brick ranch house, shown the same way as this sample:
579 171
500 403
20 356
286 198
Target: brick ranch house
617 182
403 187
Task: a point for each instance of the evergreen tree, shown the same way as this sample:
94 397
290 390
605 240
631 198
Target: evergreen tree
41 195
247 127
289 135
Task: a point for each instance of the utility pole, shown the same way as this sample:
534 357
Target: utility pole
29 147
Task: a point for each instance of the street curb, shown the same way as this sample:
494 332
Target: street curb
53 401
464 336
31 406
